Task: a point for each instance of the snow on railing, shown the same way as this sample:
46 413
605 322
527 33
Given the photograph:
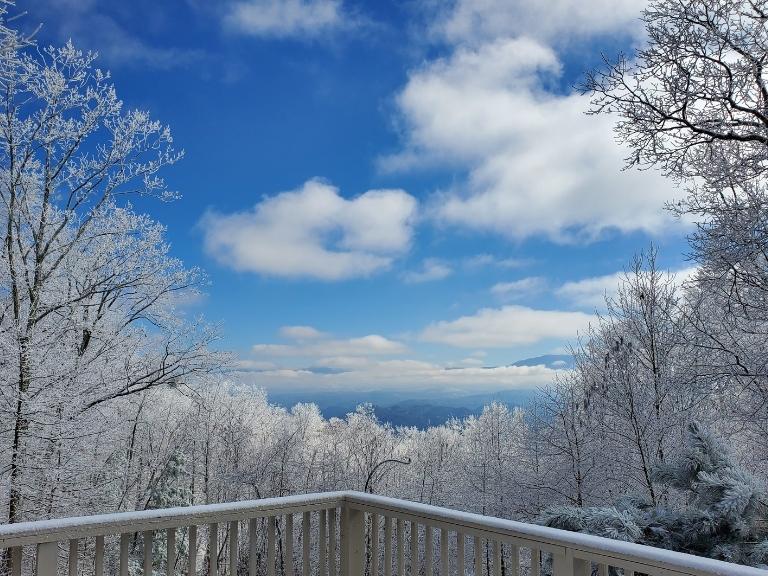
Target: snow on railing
330 534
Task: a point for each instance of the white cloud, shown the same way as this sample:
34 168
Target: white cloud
404 374
431 269
248 365
316 360
286 18
314 232
489 260
95 27
535 163
311 343
301 333
507 327
554 20
519 288
685 274
590 293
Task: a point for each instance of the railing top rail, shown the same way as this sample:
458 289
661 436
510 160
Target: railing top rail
587 544
24 533
581 545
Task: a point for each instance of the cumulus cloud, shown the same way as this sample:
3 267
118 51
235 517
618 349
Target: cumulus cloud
314 232
301 333
684 275
286 18
309 342
519 288
431 269
591 293
506 327
491 261
554 21
535 163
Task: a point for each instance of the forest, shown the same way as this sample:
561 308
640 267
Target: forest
114 398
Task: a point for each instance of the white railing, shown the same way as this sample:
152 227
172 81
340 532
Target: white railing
329 534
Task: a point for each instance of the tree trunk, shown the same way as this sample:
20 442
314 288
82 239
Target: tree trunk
21 424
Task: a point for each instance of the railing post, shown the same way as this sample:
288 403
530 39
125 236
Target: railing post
581 568
444 549
147 539
566 565
354 540
332 544
98 562
47 559
460 541
535 562
192 554
415 548
388 545
400 545
478 556
72 564
305 541
234 542
374 545
513 568
253 547
322 544
125 542
170 551
288 550
271 546
213 549
16 557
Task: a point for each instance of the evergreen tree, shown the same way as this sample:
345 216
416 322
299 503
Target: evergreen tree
171 490
723 515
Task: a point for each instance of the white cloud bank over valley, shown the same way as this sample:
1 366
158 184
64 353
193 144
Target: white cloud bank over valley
316 360
406 374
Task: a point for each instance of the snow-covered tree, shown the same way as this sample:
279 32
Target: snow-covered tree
569 463
692 99
629 378
721 513
90 298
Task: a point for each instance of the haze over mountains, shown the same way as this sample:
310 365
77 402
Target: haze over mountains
419 408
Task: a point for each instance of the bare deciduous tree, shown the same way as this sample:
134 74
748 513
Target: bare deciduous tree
694 100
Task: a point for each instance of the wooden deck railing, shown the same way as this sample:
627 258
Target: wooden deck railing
329 534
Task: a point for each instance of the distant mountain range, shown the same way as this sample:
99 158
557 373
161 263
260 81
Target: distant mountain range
418 411
419 408
553 361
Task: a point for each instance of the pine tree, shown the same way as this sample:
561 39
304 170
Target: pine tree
171 490
724 514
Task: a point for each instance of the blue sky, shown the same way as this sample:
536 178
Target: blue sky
386 193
